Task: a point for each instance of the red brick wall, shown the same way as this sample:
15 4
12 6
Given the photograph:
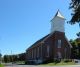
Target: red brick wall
52 43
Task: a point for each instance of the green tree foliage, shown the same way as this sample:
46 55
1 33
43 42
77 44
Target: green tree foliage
6 59
22 57
79 50
75 52
78 34
75 6
0 57
14 58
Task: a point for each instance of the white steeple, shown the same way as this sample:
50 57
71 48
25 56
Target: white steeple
58 22
58 14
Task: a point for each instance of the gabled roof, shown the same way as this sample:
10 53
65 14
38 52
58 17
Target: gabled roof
42 40
68 42
39 41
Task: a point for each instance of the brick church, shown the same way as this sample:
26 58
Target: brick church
53 46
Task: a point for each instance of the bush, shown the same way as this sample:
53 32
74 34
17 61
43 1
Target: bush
67 60
57 61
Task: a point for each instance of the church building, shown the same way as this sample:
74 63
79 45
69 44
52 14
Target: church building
53 46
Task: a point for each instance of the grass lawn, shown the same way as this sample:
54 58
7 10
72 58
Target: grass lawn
1 65
61 63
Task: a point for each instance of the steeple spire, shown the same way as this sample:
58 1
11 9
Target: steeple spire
58 14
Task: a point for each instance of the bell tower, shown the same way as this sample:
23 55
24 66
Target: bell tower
58 23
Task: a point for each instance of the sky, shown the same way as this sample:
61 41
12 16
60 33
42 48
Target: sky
23 22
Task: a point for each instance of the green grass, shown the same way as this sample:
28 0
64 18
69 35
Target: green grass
60 63
1 65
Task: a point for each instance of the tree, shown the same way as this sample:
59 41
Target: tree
0 57
14 58
78 34
75 6
74 49
22 57
6 58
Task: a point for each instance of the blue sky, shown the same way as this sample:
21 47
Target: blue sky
23 22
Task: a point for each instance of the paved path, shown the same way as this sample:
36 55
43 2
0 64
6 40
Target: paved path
40 66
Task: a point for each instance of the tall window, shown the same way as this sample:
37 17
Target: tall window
32 53
48 48
65 52
59 43
37 52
